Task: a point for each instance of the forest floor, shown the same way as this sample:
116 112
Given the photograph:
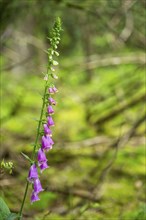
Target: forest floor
97 165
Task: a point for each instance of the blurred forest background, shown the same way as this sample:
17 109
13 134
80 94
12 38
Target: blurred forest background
97 167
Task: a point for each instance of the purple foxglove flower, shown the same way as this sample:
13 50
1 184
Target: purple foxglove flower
50 140
33 174
43 166
41 156
46 143
50 110
55 89
52 101
34 197
50 90
47 130
50 121
37 186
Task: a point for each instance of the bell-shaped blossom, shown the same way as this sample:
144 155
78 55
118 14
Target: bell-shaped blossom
33 174
47 143
50 110
50 90
41 157
43 166
34 197
55 89
52 101
50 140
37 186
47 130
50 121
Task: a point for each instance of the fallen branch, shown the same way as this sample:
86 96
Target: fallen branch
74 192
105 61
99 140
114 61
117 111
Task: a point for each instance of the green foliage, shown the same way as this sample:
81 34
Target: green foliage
4 210
12 216
141 213
7 166
138 214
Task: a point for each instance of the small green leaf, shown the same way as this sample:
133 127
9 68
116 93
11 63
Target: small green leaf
4 210
26 157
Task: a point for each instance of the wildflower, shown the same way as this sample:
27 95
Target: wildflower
50 90
55 89
47 143
50 121
41 157
34 197
37 186
43 166
33 174
49 139
52 101
50 110
47 130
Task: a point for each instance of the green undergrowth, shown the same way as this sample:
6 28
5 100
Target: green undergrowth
80 105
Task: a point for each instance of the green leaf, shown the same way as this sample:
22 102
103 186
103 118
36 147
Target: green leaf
26 157
12 216
4 210
141 213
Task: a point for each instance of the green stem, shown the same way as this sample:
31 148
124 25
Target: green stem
25 193
34 149
40 121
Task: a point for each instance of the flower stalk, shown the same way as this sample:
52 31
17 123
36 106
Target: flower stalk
38 158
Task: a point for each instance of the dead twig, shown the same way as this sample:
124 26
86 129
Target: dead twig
74 192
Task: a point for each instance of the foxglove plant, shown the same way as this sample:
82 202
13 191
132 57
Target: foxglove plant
39 159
